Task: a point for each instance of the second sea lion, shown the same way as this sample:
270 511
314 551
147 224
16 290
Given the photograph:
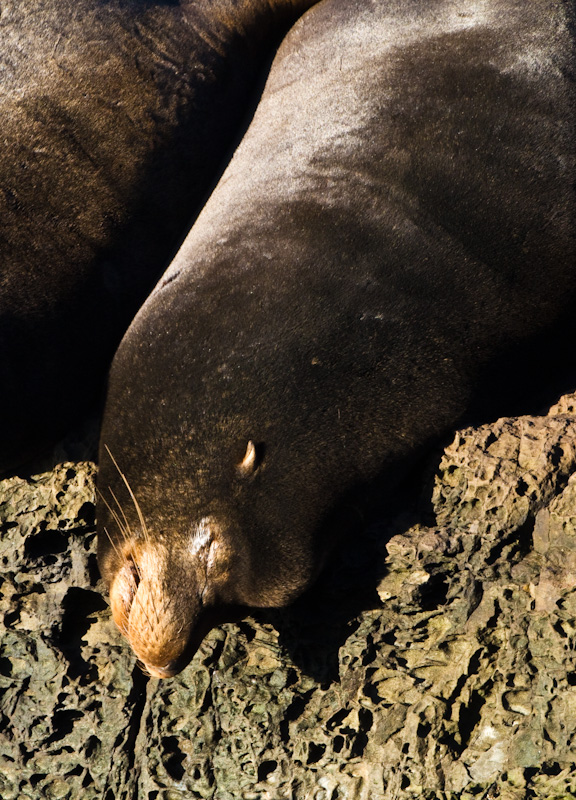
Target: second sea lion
116 116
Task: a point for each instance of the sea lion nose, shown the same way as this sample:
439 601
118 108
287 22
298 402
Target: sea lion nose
168 670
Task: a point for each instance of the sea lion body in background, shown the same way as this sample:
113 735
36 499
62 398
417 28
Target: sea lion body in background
398 218
116 115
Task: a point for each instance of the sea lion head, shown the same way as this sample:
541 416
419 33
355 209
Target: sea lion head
246 419
184 543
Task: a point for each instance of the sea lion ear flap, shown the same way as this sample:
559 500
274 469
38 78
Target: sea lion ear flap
250 462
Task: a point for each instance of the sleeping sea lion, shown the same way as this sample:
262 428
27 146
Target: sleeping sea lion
116 115
396 226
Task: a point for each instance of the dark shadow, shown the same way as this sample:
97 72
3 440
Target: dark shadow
314 628
78 605
64 358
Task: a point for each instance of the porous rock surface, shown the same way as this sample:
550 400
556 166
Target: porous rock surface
435 658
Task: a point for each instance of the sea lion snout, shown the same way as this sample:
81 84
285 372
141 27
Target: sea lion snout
156 600
163 588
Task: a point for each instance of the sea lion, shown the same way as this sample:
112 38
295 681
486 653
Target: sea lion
395 228
116 115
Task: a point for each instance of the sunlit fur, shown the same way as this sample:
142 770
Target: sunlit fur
390 246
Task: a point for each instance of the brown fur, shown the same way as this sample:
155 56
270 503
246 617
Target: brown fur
117 117
390 242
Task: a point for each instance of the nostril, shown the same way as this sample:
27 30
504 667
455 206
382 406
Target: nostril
129 580
134 572
123 591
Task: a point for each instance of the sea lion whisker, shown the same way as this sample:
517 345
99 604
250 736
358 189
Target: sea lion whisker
135 596
124 533
136 635
152 605
118 553
144 528
134 563
112 542
121 528
155 609
124 517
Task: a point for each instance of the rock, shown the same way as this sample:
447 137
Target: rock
434 659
